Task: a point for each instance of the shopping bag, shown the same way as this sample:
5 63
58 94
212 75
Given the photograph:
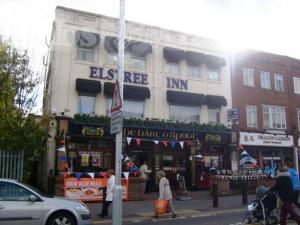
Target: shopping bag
160 206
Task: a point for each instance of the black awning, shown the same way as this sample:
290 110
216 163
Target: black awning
130 92
85 86
85 39
216 101
173 55
111 44
194 58
214 61
140 49
185 98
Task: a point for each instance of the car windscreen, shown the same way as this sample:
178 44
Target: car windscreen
37 190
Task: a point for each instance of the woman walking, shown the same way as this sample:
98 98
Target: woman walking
165 191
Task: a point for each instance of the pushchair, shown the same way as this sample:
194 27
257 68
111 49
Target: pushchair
264 208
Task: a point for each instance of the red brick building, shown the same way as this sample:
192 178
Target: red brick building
266 90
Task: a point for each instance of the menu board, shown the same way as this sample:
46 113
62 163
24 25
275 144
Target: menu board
89 189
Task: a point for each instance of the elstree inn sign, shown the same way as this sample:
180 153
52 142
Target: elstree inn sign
134 77
260 139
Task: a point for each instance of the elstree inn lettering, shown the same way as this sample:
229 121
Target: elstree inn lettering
134 77
110 74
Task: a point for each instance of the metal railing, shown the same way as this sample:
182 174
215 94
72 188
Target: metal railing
11 164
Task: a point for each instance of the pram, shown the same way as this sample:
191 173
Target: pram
264 208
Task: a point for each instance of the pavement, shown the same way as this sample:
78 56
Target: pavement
200 204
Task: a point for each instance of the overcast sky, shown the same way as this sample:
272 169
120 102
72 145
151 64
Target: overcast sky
267 25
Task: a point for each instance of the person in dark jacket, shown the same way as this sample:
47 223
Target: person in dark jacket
285 191
295 181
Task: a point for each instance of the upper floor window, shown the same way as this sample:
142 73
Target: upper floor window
112 59
248 77
172 68
194 71
87 45
86 104
184 113
214 115
278 82
265 80
131 109
274 117
296 85
251 115
138 63
213 74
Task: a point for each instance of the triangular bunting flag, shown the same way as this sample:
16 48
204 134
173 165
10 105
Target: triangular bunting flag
156 142
77 175
126 158
126 175
165 143
66 174
92 175
62 142
129 140
173 143
181 144
62 149
138 141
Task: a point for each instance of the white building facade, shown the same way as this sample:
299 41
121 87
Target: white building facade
168 76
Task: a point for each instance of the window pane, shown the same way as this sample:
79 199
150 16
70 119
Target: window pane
172 68
85 54
297 85
185 113
251 114
265 80
274 117
248 77
213 74
278 81
86 104
112 59
214 115
194 71
13 192
138 63
131 109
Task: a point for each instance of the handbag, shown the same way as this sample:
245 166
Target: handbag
160 206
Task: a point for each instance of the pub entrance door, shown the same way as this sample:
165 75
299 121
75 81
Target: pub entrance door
173 165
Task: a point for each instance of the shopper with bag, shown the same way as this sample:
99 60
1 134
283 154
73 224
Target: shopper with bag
165 195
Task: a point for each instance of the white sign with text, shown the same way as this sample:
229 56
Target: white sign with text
260 139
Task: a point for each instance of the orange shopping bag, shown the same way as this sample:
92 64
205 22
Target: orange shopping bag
160 206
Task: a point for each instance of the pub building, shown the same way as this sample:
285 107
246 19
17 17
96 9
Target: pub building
176 94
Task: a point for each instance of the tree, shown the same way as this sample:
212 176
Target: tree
20 130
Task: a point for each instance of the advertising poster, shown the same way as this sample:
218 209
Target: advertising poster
88 189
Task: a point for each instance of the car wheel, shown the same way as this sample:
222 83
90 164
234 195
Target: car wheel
61 218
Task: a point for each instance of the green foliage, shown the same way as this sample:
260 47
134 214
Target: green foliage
19 130
155 123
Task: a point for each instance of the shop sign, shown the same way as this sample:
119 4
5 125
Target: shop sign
260 139
177 83
215 138
89 189
93 131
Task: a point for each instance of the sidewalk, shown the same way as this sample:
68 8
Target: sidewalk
201 202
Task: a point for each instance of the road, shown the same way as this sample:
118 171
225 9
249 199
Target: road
230 217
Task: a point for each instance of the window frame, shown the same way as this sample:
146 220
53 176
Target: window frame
131 65
281 80
108 106
248 78
188 108
218 114
273 116
169 66
110 61
86 95
94 50
249 110
191 70
215 71
296 81
263 80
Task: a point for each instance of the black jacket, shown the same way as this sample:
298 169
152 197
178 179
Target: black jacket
284 187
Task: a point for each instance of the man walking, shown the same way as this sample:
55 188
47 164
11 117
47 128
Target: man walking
145 175
109 193
285 191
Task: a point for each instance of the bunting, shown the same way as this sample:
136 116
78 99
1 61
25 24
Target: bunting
156 142
62 149
165 143
173 143
138 141
129 140
181 144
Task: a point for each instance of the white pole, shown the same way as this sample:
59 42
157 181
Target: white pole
117 197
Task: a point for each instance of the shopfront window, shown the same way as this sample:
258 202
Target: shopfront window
86 104
184 113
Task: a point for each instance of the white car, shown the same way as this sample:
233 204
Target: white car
21 204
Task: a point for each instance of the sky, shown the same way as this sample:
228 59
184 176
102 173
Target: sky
266 25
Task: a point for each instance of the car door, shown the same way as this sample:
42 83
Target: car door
15 206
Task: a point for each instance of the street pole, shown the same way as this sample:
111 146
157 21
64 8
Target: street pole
117 197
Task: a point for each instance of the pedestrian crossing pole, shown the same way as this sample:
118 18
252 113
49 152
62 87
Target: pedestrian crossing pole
117 197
